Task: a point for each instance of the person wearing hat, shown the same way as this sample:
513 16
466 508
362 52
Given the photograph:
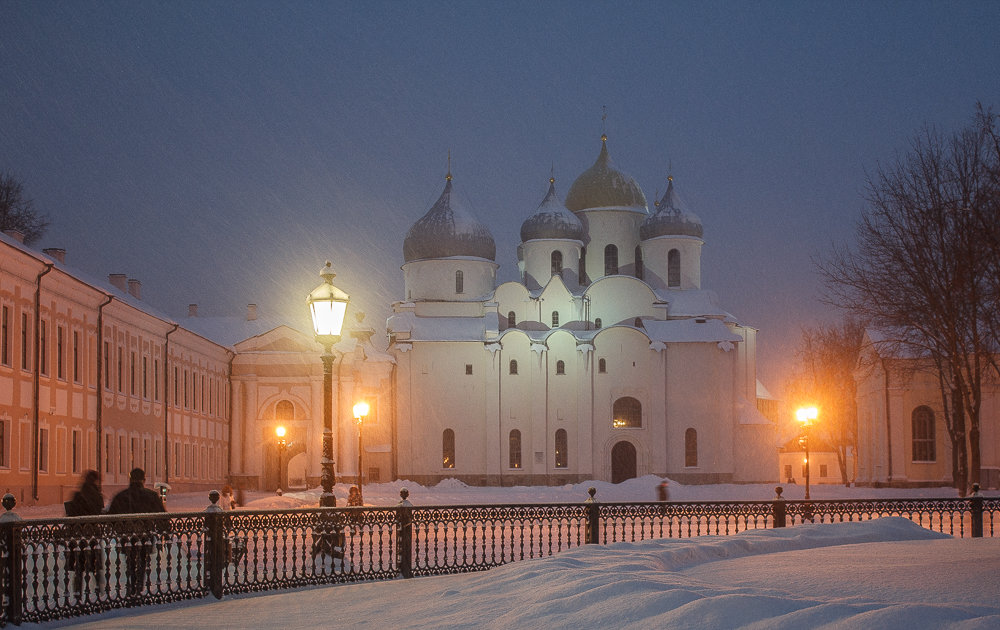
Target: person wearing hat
140 537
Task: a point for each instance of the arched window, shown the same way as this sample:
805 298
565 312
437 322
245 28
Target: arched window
459 282
639 269
602 366
610 260
637 322
513 366
673 268
562 449
690 448
560 367
556 263
582 274
627 413
923 434
514 449
511 319
597 322
555 319
448 449
284 411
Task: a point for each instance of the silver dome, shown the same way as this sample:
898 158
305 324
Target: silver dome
672 218
446 230
552 220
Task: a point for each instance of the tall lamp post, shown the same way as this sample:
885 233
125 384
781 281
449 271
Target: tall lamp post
280 432
327 305
360 413
806 415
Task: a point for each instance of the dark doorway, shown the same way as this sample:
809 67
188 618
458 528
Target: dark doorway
622 462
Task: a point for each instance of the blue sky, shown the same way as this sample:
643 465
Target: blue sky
220 152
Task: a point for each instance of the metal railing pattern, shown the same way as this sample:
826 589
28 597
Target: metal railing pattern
70 567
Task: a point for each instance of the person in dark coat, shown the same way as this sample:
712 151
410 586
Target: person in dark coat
140 536
84 550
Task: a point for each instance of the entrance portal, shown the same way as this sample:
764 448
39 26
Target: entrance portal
622 462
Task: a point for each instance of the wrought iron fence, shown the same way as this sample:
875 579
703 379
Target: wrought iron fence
70 567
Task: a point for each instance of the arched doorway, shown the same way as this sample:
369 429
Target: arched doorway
622 462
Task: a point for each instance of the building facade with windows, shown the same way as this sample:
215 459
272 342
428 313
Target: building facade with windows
606 360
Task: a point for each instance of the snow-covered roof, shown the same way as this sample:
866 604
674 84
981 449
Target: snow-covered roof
552 220
442 328
228 331
693 303
697 330
448 229
672 217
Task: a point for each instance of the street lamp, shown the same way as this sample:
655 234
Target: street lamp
280 432
328 305
806 415
360 412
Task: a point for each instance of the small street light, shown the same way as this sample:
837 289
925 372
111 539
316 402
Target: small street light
280 432
806 415
327 305
360 412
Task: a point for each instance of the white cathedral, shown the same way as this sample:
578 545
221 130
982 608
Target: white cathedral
607 360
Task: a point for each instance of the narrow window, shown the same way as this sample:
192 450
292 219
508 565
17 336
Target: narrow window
468 368
690 448
514 448
637 322
448 449
673 268
610 260
43 450
459 282
156 380
186 376
823 470
602 366
562 449
24 341
42 363
59 353
107 366
108 457
555 319
194 390
511 319
513 366
5 337
597 323
3 445
176 387
922 421
76 356
582 274
627 413
121 454
145 377
75 451
788 474
560 367
131 373
121 361
640 271
284 411
556 259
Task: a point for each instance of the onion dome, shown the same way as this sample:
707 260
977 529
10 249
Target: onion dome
602 185
448 229
552 220
672 217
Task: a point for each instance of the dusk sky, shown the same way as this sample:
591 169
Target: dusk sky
221 152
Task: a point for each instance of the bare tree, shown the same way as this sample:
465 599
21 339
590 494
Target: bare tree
17 212
824 375
921 273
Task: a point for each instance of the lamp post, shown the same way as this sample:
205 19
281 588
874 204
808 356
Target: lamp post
327 305
280 432
806 415
360 412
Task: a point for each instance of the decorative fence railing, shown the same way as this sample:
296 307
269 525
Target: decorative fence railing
70 567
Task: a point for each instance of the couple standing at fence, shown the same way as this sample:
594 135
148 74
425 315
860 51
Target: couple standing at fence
138 540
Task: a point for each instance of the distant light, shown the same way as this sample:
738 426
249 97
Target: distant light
279 431
361 410
806 414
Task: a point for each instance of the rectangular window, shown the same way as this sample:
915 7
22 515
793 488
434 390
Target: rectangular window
121 367
59 352
108 457
194 390
5 336
788 473
76 356
121 454
107 366
145 377
156 380
176 386
822 470
43 367
131 373
203 392
134 454
76 450
157 458
43 450
3 445
24 341
186 389
145 454
468 368
177 458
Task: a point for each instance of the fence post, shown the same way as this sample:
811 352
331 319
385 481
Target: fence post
593 533
404 535
215 545
977 512
12 540
778 507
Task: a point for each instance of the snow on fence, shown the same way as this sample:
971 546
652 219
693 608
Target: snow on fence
70 567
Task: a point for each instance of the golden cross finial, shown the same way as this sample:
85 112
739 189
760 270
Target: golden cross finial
448 176
552 174
604 119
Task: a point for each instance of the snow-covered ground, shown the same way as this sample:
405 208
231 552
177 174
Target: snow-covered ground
887 573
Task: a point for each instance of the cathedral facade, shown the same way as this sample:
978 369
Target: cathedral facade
606 360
